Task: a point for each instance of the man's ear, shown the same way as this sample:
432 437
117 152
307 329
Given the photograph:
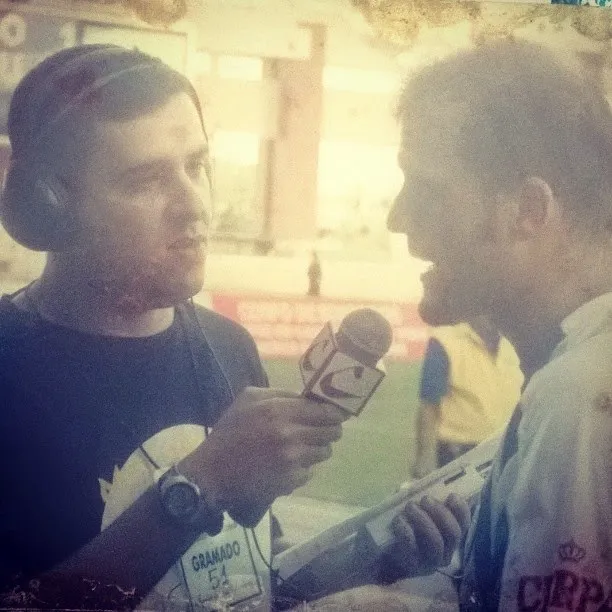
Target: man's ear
536 207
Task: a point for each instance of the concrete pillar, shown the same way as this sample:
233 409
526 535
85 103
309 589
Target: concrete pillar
291 156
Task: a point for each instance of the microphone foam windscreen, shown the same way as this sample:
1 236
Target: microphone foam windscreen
367 330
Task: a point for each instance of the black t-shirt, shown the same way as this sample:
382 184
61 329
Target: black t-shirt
74 406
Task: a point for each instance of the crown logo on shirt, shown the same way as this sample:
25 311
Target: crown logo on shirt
571 552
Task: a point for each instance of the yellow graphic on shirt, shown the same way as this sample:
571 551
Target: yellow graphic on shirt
105 486
193 578
135 476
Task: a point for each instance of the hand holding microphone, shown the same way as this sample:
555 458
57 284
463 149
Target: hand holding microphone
267 441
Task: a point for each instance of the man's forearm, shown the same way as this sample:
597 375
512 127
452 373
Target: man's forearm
142 543
115 570
133 552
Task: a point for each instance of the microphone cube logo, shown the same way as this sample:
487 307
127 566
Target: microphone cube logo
317 354
347 383
335 377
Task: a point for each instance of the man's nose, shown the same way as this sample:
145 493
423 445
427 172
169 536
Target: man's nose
193 200
397 219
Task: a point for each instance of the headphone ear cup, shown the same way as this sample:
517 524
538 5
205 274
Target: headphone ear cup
35 208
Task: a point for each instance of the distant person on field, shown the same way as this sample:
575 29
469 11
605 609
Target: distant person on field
314 275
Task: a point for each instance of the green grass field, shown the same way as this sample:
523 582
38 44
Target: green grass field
376 451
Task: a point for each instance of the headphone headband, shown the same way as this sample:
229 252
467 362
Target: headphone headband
36 208
41 101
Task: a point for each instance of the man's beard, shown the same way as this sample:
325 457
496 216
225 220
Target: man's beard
435 313
449 308
143 285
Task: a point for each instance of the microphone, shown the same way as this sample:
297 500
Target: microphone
341 368
344 368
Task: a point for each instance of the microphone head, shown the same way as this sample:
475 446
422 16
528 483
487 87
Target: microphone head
365 334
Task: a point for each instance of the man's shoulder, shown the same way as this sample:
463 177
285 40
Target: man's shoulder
573 389
581 366
213 322
224 333
232 345
566 427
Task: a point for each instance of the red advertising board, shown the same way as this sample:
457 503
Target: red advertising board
285 326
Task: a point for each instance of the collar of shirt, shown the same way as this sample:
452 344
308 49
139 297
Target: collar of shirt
586 321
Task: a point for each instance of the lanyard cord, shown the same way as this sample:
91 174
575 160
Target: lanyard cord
194 367
274 573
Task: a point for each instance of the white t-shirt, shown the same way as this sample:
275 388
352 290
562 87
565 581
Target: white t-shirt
557 489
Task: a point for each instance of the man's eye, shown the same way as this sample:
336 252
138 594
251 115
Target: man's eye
139 183
196 169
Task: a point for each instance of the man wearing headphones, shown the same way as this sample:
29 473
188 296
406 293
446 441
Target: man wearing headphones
113 486
110 377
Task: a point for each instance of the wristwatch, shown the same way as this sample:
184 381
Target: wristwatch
185 503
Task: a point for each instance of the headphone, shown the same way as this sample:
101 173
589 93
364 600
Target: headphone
37 208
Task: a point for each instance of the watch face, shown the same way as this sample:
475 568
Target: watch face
181 500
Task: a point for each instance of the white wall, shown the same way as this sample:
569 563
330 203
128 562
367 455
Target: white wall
393 281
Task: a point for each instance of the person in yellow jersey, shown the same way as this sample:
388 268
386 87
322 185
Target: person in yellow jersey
470 384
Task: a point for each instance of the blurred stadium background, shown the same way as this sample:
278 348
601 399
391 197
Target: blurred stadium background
299 97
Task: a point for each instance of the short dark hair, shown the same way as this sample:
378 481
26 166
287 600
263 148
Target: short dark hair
75 86
520 113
